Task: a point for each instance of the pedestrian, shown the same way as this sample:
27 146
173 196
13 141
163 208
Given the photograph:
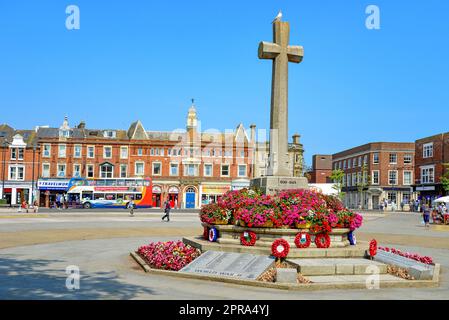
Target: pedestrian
402 205
35 206
131 207
167 210
58 201
381 205
426 214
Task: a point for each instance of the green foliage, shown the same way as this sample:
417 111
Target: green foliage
445 178
337 178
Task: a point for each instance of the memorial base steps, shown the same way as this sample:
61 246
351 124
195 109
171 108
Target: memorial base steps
338 266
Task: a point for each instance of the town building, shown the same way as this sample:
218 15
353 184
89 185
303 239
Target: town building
321 169
188 167
377 171
262 150
19 165
431 153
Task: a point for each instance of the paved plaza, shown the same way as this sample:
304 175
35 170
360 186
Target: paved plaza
36 249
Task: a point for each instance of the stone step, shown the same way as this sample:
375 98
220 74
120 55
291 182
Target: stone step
359 279
338 266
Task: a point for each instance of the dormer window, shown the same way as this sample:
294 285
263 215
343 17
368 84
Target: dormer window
64 133
109 134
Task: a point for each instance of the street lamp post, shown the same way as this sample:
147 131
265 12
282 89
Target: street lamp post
32 178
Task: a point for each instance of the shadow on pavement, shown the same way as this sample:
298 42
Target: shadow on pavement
37 279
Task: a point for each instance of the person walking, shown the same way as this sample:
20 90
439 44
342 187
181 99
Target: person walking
131 207
402 205
166 210
35 206
58 201
426 214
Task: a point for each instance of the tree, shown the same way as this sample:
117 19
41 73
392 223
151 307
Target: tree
337 178
362 182
445 177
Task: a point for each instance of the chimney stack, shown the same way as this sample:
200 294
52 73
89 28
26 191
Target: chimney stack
253 132
296 138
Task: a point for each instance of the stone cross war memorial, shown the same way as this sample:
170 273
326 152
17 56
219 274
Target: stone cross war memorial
281 53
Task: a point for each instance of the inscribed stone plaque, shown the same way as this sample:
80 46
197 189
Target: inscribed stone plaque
229 264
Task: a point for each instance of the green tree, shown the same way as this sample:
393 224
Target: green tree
445 177
337 178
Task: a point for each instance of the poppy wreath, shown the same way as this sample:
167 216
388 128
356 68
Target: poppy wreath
373 248
322 240
213 234
280 248
302 240
248 238
206 233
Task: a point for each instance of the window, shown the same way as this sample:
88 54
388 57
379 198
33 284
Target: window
242 170
344 181
46 151
161 151
208 170
406 197
62 151
109 134
157 168
45 170
344 165
392 197
140 151
365 159
123 170
174 169
90 151
427 150
375 177
77 170
427 174
90 170
348 180
407 177
16 173
106 171
242 154
392 177
77 151
408 158
393 158
359 178
123 152
139 169
360 161
20 153
191 170
225 170
61 170
354 162
354 179
107 152
376 158
13 153
349 164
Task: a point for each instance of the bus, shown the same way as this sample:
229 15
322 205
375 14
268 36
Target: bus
111 192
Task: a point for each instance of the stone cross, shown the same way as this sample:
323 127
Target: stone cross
281 53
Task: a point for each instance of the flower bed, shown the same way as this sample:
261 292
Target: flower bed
288 209
414 256
171 255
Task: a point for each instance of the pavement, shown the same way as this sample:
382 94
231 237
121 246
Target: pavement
35 252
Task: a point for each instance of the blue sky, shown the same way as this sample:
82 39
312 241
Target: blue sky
146 59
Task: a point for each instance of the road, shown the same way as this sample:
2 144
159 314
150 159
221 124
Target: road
35 251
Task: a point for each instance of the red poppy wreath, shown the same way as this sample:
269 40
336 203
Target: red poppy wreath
322 240
280 248
248 238
302 240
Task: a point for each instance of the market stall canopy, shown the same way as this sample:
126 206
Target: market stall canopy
443 199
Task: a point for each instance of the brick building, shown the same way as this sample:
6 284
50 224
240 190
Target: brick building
188 167
377 171
430 155
19 165
321 169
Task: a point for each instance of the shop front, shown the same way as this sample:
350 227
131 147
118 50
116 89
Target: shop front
49 189
429 193
240 184
15 193
173 196
157 196
212 193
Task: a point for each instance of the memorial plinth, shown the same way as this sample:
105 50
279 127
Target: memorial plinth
273 184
